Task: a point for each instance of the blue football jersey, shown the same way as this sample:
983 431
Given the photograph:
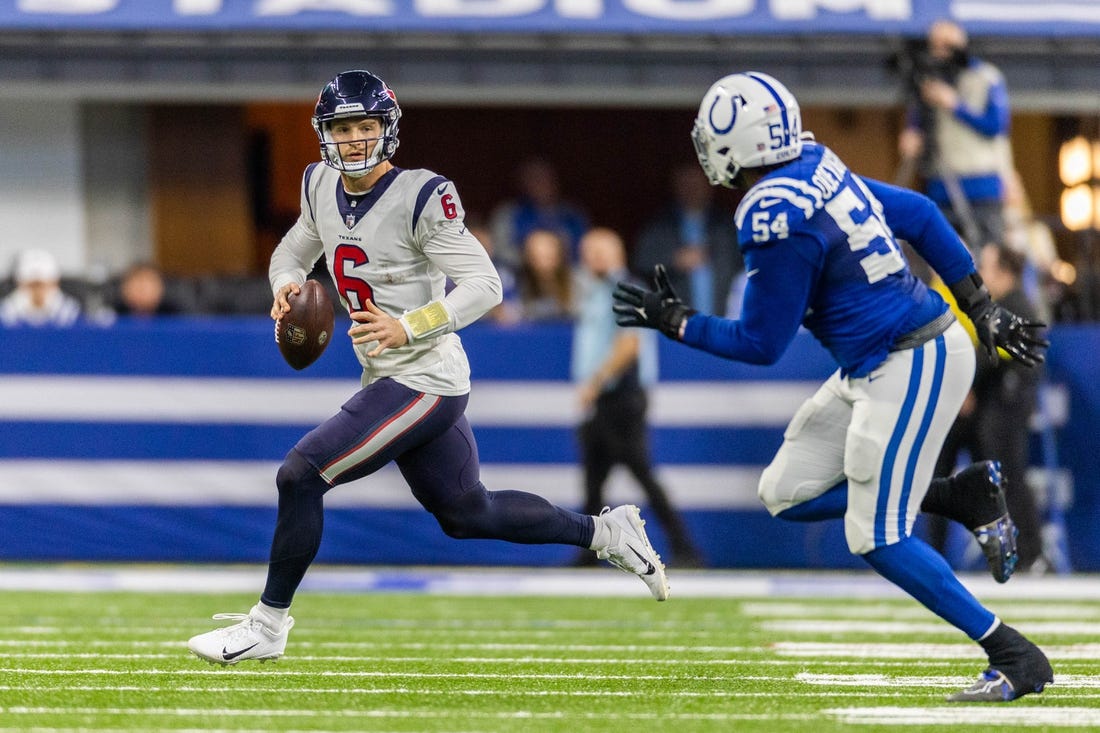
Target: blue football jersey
821 248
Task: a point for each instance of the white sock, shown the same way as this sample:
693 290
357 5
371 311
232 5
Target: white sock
601 538
272 618
992 628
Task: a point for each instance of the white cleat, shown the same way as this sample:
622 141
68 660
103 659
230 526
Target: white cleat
247 639
630 551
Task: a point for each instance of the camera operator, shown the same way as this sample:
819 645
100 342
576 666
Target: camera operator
956 133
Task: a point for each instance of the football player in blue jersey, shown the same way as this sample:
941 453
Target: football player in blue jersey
392 238
821 250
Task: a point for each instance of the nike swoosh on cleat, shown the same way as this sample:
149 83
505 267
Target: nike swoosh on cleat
650 570
233 655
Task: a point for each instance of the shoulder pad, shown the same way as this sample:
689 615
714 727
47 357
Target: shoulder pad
768 212
448 206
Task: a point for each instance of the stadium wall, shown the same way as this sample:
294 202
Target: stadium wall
159 441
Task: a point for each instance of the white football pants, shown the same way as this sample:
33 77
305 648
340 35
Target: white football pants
882 433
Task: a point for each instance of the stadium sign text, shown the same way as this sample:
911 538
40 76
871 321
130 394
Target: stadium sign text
741 17
671 9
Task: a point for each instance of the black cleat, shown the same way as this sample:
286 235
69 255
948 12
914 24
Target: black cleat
998 543
980 490
1027 672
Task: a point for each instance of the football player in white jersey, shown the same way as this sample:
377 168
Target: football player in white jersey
391 238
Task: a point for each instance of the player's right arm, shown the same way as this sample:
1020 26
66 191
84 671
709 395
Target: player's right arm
777 294
782 260
296 253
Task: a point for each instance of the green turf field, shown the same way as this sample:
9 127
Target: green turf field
416 662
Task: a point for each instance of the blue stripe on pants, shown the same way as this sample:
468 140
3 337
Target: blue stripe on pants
894 445
922 433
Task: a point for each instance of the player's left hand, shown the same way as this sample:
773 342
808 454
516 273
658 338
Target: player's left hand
661 308
997 326
373 324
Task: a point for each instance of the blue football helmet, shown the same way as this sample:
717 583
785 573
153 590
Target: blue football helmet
356 94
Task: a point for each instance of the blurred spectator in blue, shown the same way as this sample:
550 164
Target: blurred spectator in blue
613 368
38 299
142 293
956 134
544 281
695 239
539 206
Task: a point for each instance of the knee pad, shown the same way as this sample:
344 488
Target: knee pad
298 474
859 536
768 490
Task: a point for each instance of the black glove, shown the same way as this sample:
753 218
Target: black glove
661 308
997 326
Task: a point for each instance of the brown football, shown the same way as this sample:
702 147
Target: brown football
303 332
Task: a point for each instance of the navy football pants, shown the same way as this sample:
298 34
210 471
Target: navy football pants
429 438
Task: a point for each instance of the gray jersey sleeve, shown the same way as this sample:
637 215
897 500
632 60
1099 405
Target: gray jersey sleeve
460 256
300 248
442 236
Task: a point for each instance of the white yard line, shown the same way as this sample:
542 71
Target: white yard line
982 716
434 692
1075 681
820 626
146 713
916 651
811 609
1057 654
523 581
369 674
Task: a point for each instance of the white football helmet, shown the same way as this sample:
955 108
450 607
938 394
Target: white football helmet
746 121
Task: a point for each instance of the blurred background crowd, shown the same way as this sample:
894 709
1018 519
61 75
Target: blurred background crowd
151 160
180 175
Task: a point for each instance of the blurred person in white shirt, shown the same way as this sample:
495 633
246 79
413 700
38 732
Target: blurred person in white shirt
38 299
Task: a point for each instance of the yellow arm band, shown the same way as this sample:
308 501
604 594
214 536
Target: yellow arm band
427 321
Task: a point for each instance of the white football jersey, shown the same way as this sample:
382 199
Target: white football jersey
396 246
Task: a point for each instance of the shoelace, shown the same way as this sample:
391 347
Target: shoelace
247 625
629 563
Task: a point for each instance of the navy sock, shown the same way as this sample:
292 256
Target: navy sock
830 505
920 571
513 516
298 529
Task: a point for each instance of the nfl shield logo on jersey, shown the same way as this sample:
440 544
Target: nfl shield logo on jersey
349 220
